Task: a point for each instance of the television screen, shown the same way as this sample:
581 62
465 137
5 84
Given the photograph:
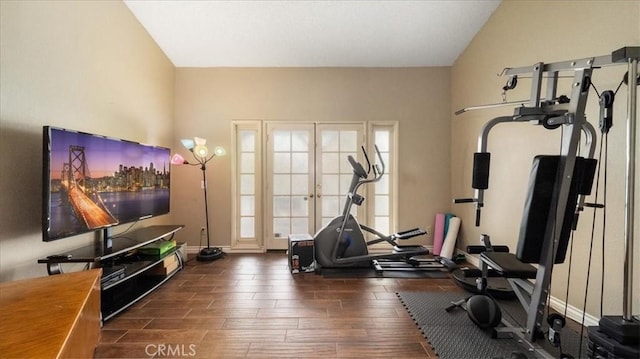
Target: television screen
92 182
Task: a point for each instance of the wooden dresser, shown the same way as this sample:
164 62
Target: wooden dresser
51 317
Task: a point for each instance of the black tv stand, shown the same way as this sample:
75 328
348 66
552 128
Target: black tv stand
127 276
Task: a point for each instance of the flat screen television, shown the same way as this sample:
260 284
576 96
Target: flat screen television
93 182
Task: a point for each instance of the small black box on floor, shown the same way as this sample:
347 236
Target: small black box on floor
623 331
301 253
601 345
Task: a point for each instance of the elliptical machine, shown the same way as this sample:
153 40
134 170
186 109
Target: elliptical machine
342 243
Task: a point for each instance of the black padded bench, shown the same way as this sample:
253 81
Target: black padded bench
537 215
508 265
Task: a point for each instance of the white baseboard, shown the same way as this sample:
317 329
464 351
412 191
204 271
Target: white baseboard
573 313
556 304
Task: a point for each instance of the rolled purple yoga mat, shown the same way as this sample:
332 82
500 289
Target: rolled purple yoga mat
438 234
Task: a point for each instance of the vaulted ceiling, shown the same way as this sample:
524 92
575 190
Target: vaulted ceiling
300 33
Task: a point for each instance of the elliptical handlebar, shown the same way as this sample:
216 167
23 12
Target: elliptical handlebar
360 177
359 170
366 157
377 171
376 167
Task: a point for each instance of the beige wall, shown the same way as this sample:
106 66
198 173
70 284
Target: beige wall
207 100
521 33
84 65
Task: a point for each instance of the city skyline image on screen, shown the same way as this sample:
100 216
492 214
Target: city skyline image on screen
92 182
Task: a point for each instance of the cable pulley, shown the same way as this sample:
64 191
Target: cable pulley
606 110
512 82
625 79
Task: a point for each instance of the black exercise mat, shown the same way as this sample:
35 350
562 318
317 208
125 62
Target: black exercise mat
453 335
337 273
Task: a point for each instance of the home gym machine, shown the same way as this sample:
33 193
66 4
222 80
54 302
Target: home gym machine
342 242
557 188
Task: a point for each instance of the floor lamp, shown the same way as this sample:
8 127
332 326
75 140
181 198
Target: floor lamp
197 147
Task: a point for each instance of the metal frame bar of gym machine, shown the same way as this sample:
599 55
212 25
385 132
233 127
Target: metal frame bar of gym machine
572 116
574 121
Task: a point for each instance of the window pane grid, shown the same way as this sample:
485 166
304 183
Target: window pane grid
337 145
382 190
290 182
247 183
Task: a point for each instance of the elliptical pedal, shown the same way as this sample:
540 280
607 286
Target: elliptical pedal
410 249
410 233
409 265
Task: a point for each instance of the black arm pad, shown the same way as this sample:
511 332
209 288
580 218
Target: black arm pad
481 161
588 175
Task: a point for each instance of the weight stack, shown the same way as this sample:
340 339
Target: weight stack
614 338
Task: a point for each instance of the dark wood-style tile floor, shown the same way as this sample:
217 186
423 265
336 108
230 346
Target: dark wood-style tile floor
250 306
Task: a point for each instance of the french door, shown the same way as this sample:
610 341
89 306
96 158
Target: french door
307 176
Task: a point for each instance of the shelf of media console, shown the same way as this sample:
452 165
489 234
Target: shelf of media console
136 284
121 244
135 267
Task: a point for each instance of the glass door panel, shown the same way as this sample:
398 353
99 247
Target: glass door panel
290 176
333 171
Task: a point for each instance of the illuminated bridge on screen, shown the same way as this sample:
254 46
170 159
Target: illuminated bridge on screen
87 206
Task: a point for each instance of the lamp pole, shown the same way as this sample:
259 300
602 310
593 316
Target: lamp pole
207 254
